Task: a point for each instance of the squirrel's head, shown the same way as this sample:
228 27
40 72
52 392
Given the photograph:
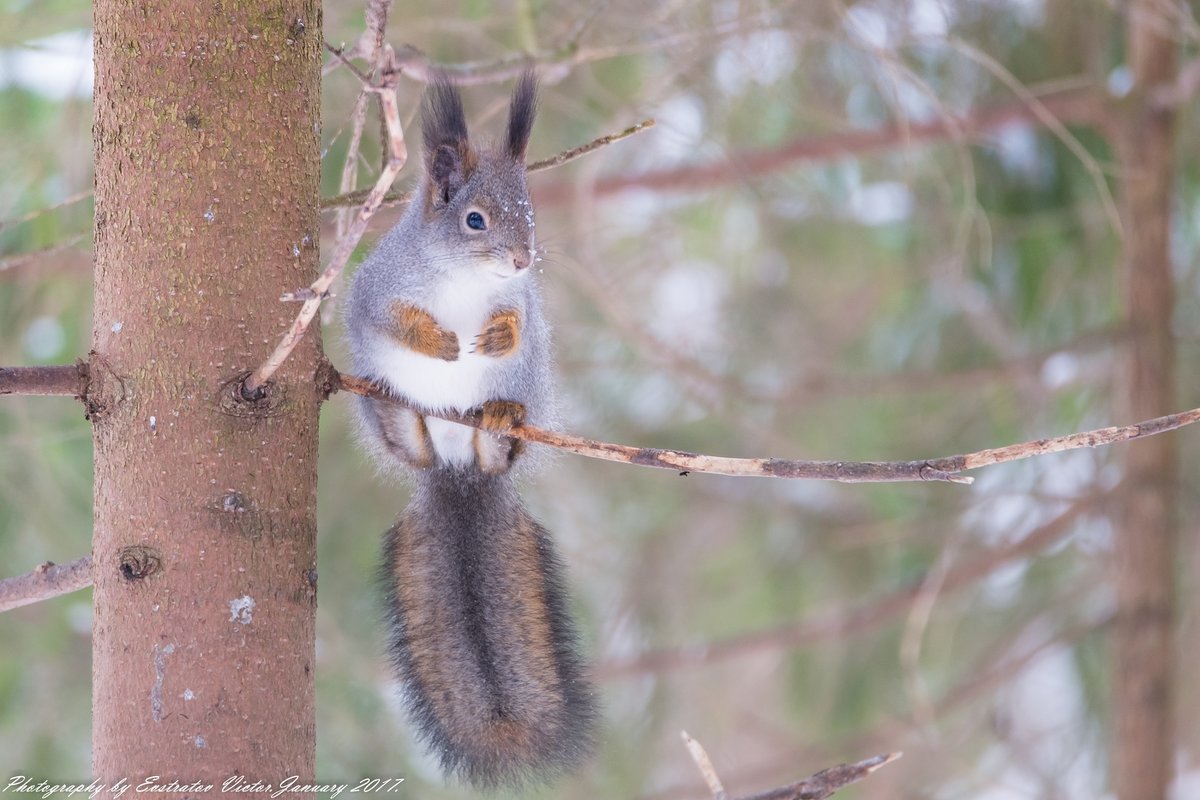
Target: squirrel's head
476 201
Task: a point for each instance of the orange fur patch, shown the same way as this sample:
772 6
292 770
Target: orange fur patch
501 336
416 329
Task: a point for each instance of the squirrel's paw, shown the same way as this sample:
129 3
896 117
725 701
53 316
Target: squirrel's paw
500 416
418 331
501 336
495 453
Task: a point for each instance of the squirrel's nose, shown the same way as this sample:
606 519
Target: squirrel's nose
522 259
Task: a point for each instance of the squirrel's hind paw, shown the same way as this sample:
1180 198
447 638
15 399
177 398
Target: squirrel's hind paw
495 452
500 416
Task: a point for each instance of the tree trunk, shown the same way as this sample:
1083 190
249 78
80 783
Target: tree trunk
207 164
1143 745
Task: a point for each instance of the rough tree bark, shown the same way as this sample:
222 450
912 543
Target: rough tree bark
1143 744
207 159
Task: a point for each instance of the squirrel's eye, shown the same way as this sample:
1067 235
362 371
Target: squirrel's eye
476 222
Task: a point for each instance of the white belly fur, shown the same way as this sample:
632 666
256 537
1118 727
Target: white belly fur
439 385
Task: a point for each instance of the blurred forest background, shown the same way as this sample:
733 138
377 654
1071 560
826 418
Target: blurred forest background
920 265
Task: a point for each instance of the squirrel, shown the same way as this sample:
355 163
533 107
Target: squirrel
447 314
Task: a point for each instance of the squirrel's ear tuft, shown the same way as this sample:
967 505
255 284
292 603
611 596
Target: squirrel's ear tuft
521 114
449 159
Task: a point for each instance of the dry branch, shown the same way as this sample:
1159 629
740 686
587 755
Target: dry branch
815 787
65 380
46 581
32 215
19 260
935 469
595 144
354 198
827 781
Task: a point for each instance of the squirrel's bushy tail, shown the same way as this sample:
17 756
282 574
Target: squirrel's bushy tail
480 633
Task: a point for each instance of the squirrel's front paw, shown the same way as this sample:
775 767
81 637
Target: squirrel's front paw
501 336
417 330
500 416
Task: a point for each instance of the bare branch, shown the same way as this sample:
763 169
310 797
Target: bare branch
595 144
816 787
685 462
827 781
303 295
338 53
21 259
1073 441
354 198
69 381
32 215
935 469
349 199
46 581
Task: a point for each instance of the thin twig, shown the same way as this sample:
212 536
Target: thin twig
705 765
827 781
63 380
347 63
21 259
46 581
595 144
1053 123
934 469
815 787
395 198
350 199
32 215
